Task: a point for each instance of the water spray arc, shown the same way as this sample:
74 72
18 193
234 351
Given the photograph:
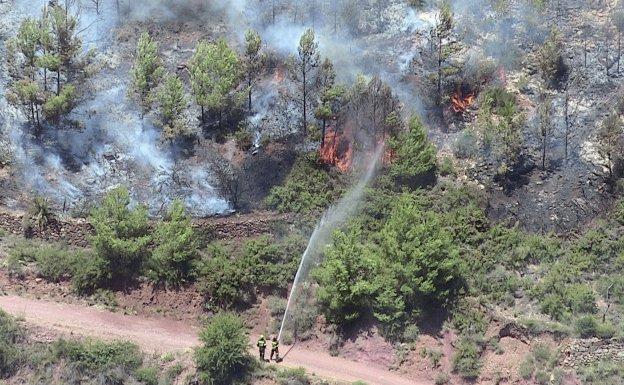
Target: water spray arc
335 216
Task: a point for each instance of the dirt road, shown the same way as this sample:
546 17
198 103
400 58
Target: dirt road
161 335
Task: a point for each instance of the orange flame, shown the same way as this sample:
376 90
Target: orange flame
279 76
337 151
460 103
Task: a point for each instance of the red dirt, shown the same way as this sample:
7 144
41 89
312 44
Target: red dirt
164 335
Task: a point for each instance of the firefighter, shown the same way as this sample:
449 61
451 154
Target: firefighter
275 348
261 346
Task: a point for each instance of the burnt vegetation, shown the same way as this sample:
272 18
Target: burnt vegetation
496 199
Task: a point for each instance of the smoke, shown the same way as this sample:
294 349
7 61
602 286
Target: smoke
116 145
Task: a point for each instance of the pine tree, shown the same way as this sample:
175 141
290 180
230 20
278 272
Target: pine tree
215 74
302 71
176 248
253 61
172 105
329 96
148 70
121 236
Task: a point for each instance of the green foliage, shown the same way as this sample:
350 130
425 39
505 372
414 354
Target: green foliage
90 273
419 261
223 357
550 58
40 213
10 354
501 122
588 326
442 378
345 278
97 356
121 236
408 263
225 281
309 187
602 373
148 70
61 104
231 277
215 72
415 155
466 361
147 375
42 46
173 258
296 376
172 101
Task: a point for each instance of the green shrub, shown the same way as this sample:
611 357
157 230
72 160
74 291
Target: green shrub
175 254
10 355
174 372
442 378
225 281
91 272
466 145
466 361
223 357
446 167
295 376
581 299
147 375
588 326
309 187
602 373
98 356
526 368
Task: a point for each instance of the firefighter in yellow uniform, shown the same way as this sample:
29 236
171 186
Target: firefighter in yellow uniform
275 348
262 346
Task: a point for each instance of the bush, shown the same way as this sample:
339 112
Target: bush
224 281
99 356
295 376
309 187
224 356
588 326
10 355
446 167
466 361
466 146
91 272
147 375
602 373
442 378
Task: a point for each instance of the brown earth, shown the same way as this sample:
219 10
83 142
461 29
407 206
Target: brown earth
165 335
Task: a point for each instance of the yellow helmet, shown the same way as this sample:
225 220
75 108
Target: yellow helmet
261 336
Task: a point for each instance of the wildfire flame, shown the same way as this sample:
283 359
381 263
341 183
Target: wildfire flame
279 76
460 103
337 151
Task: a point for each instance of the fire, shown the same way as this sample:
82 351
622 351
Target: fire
337 151
279 76
460 102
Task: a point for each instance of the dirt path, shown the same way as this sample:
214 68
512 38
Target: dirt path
162 335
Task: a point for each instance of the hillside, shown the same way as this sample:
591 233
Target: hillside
429 189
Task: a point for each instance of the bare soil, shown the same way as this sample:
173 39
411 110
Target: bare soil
166 335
